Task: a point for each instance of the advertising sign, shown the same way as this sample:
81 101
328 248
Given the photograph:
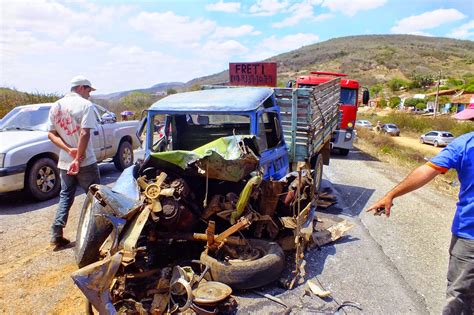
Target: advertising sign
253 73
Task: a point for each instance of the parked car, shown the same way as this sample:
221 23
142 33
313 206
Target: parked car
363 124
391 129
437 138
28 159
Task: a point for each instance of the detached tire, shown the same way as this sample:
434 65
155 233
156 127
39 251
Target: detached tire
317 165
124 156
248 274
92 231
42 180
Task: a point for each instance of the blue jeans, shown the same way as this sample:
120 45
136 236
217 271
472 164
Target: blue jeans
87 176
460 292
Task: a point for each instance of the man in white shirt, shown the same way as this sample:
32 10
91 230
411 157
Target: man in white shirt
71 119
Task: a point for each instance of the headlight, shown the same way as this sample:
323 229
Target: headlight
348 135
350 125
2 159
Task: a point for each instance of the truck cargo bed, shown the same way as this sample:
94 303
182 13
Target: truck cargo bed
309 117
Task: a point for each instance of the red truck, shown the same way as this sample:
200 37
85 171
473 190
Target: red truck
343 137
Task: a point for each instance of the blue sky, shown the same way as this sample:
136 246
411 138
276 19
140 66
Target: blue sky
122 45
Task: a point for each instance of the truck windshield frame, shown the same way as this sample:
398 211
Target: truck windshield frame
190 131
348 96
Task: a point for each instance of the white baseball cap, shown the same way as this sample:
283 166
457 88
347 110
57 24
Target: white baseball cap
81 80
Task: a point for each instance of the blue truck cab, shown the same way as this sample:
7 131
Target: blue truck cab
193 119
290 125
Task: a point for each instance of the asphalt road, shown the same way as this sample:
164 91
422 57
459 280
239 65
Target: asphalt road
387 266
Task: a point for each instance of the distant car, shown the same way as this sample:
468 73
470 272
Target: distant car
437 138
363 124
391 129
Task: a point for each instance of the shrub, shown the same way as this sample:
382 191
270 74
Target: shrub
396 84
394 101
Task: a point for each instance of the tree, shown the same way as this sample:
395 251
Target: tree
394 101
171 91
375 89
422 80
414 102
137 101
396 84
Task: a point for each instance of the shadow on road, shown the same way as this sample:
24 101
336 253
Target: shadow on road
351 200
19 202
354 154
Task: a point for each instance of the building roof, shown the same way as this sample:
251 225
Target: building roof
464 98
212 100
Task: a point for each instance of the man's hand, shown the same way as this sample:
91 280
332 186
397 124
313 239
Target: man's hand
382 206
72 152
74 167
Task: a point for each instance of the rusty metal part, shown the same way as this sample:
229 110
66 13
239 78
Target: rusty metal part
211 292
131 235
214 206
182 285
210 231
270 297
270 191
202 237
95 281
241 224
181 187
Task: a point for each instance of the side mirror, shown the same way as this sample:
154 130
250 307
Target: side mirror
365 97
109 117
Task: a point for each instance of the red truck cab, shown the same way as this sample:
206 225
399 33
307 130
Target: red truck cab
344 136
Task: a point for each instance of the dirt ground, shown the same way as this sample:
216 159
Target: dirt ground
33 277
414 143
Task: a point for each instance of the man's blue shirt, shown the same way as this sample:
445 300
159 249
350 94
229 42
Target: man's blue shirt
459 155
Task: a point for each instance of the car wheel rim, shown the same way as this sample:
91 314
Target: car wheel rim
127 156
45 179
85 223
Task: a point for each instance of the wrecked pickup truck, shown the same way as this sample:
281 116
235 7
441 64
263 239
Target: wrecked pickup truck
229 182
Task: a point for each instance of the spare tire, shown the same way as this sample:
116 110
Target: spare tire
248 274
91 233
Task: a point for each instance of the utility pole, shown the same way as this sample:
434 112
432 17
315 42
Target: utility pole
437 94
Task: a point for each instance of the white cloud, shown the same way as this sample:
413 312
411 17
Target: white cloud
302 11
222 51
171 28
426 21
230 32
351 7
268 7
464 31
55 19
226 7
273 45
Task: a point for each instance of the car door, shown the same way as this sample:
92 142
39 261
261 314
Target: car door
430 137
273 152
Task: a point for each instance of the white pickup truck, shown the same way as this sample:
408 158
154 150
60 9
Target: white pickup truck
28 159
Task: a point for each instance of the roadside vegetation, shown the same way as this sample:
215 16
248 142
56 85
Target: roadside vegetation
10 99
384 148
417 124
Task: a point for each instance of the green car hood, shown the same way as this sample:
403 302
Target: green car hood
228 158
